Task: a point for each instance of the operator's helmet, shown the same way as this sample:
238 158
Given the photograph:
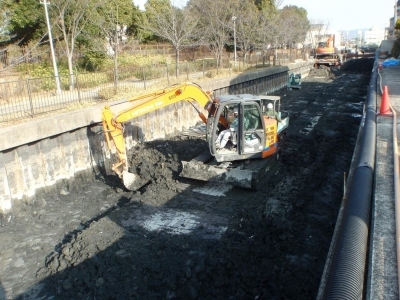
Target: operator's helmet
235 110
270 106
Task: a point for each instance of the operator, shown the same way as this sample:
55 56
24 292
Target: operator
225 135
271 113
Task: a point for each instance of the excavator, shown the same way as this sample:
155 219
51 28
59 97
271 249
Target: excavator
326 47
249 154
325 54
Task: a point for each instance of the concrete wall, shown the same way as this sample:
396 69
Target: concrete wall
42 155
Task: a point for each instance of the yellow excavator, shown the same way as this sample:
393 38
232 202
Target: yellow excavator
257 136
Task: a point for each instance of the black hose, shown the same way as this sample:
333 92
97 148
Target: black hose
346 276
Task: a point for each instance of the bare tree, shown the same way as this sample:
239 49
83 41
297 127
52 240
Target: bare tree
247 24
296 25
173 24
71 18
272 31
112 19
215 22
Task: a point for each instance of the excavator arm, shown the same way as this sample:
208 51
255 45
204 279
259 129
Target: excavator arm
113 124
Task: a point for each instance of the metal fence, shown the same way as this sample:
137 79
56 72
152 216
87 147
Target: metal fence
30 97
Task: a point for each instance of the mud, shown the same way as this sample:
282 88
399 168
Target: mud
174 239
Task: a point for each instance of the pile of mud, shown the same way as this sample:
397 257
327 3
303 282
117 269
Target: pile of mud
360 65
159 162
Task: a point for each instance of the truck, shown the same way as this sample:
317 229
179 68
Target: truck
253 150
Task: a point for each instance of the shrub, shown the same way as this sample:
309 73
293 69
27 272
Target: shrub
142 60
109 92
210 74
87 80
94 61
150 72
127 73
396 49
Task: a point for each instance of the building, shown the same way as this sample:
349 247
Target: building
374 36
390 31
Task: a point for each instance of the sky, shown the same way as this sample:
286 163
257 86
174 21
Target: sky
339 15
347 15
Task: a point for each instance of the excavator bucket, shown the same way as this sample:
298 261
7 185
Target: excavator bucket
233 176
132 181
244 174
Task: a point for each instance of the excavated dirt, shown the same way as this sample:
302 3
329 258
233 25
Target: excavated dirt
175 239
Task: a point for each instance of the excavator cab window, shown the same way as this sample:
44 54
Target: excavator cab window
252 120
226 127
252 128
226 117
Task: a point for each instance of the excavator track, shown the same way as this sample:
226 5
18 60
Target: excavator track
247 174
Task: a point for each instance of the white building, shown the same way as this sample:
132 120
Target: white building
374 36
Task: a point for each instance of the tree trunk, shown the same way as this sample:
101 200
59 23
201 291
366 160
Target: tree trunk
71 73
115 69
177 62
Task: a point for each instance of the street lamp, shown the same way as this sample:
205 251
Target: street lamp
234 38
51 46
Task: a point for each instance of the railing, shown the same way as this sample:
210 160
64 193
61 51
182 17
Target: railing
30 97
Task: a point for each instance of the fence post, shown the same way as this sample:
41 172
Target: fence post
167 71
203 68
30 97
144 76
187 70
7 97
79 89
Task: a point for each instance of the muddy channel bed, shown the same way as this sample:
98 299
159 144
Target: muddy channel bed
174 239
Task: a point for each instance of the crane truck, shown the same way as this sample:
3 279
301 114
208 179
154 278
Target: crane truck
242 163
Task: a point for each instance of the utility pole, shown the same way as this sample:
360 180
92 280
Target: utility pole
234 38
116 46
57 78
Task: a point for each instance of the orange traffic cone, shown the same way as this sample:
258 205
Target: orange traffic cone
385 109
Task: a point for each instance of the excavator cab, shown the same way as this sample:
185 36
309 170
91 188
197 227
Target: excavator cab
247 139
253 149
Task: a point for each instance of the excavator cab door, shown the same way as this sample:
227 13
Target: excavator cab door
252 138
224 124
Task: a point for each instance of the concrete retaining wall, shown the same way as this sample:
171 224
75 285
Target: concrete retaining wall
44 154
